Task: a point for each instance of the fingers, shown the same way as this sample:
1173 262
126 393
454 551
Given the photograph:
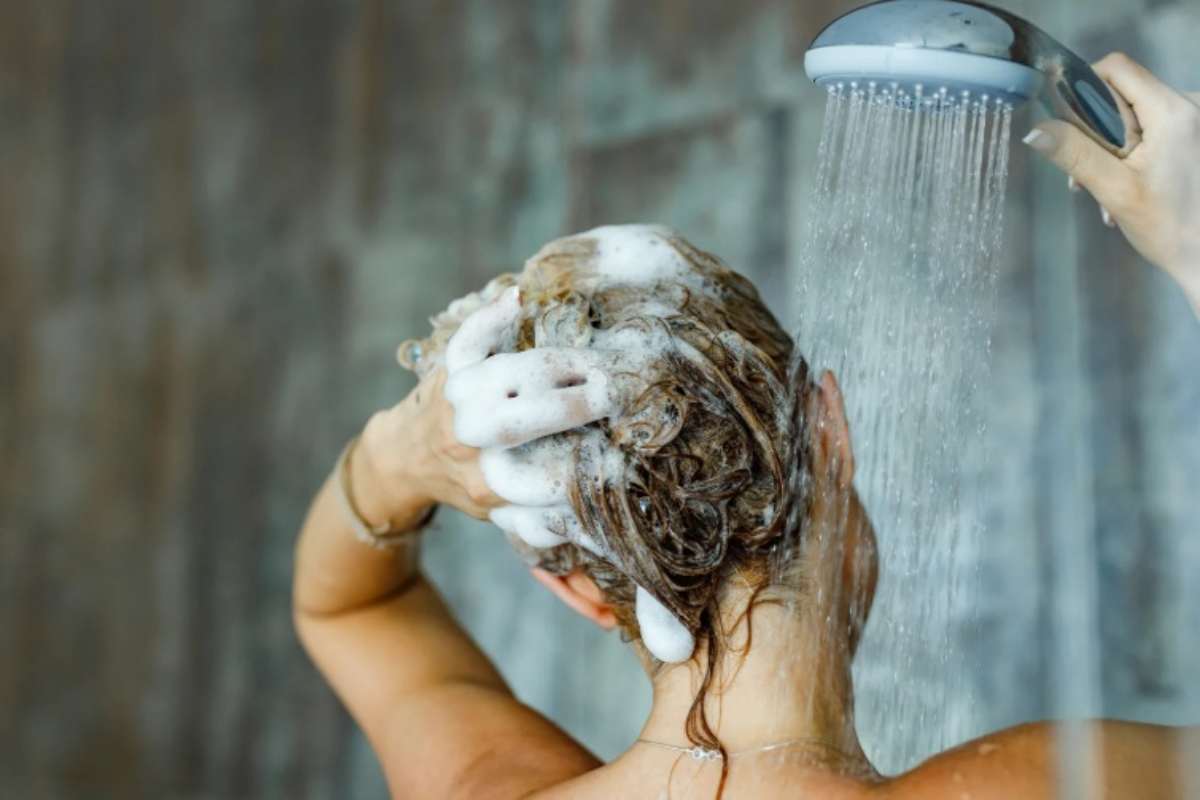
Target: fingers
534 474
533 371
480 496
544 527
1107 177
513 398
1149 97
537 527
1105 217
491 329
523 419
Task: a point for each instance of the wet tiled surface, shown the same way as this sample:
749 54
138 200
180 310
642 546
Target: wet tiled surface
217 220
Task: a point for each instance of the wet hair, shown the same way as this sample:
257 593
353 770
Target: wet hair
715 481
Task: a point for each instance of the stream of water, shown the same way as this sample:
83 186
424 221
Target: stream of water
897 297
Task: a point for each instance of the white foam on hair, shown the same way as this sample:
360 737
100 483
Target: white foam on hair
629 255
635 347
636 254
507 402
662 633
600 459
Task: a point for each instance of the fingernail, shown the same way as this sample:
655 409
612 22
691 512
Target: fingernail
1107 217
1072 184
1039 140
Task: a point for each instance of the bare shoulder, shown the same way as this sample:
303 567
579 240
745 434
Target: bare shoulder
506 750
1016 762
1134 760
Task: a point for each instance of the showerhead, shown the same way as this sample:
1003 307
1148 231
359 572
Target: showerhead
962 45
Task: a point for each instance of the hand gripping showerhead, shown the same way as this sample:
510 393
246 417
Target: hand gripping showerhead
962 45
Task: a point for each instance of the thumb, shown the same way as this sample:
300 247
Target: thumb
1103 174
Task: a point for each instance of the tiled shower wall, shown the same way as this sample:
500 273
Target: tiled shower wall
218 219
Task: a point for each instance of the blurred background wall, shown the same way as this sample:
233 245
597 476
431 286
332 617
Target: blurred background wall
218 219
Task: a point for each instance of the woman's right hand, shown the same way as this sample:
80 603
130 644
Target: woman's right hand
412 459
1153 194
483 396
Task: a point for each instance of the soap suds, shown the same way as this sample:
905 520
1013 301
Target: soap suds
533 474
577 372
513 398
664 636
492 329
422 356
636 254
545 527
629 255
534 526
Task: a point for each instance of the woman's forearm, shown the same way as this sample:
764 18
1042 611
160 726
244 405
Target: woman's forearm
334 571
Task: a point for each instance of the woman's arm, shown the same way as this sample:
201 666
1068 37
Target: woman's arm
1154 193
434 709
404 463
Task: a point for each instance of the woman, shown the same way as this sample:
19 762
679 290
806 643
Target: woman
636 421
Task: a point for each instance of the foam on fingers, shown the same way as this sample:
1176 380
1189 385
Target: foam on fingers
537 370
546 526
513 398
489 330
537 527
534 474
524 419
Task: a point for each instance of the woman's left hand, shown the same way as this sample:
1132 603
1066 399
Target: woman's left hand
1153 195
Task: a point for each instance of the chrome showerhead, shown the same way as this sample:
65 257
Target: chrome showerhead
962 45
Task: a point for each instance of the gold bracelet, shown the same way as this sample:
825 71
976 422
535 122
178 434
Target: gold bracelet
383 536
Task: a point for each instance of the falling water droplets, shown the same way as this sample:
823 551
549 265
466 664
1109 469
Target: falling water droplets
898 291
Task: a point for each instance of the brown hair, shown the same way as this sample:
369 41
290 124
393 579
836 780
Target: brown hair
715 479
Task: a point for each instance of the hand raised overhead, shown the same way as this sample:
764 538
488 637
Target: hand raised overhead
508 403
1153 194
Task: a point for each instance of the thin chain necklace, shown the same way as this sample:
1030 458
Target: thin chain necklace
698 753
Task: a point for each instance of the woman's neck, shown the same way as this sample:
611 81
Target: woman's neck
793 683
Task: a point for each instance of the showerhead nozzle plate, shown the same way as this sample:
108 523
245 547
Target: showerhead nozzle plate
932 70
969 46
